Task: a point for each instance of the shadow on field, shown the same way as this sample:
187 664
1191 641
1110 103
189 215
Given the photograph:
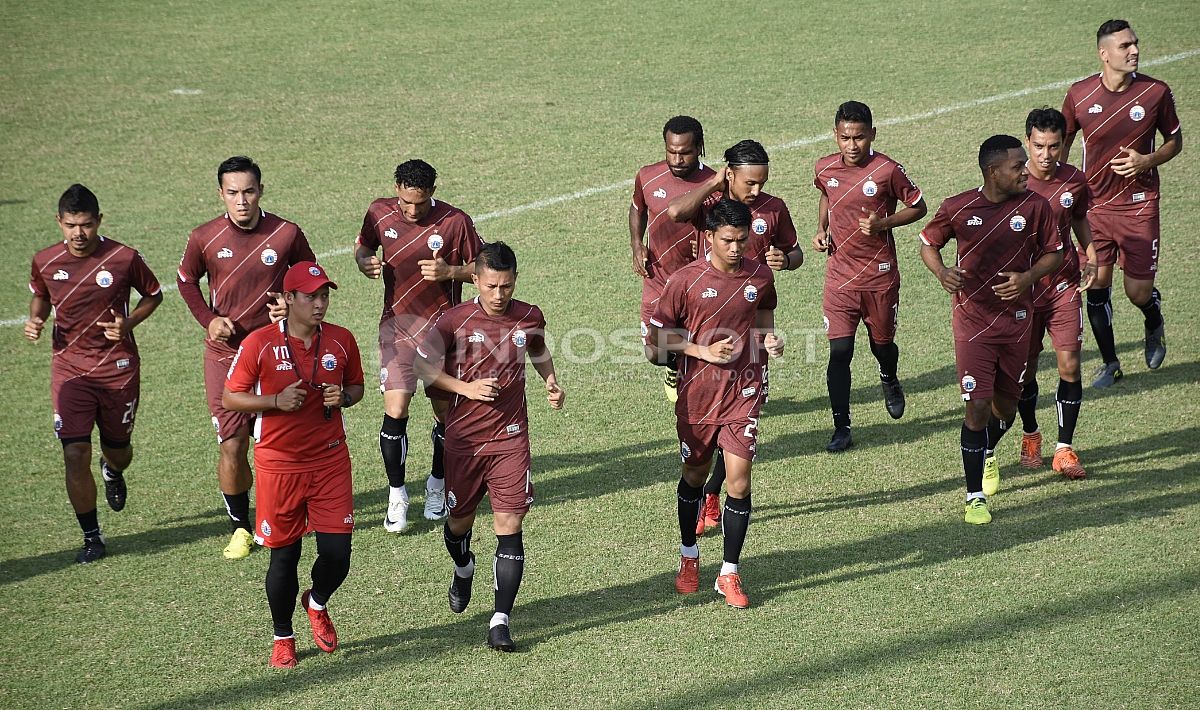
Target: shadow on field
1099 502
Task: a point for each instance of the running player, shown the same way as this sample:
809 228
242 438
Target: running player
95 368
244 253
1119 111
1006 240
859 192
1056 307
661 246
719 315
484 343
428 247
298 375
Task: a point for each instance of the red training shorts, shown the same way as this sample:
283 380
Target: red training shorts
81 403
1130 239
291 503
843 309
1063 319
505 477
397 353
216 371
988 369
698 441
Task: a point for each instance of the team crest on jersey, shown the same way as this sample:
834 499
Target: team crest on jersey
975 221
825 320
451 499
1066 199
225 253
57 422
1137 113
435 241
832 182
104 279
660 194
265 528
709 293
759 226
968 383
382 375
1017 223
269 257
750 292
328 361
685 451
61 275
391 233
645 330
870 188
518 338
1062 287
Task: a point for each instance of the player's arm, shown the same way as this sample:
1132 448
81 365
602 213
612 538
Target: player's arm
1083 235
1018 282
543 362
823 241
951 278
368 262
119 326
685 207
192 268
1130 162
904 217
675 340
637 230
764 326
39 311
289 399
433 374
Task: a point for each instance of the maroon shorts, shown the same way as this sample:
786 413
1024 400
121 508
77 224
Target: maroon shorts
651 291
397 353
289 504
81 403
1063 319
988 369
505 477
226 422
698 441
1130 239
843 309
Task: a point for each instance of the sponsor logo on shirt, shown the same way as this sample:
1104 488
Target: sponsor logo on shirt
518 338
1062 287
975 221
349 519
61 275
1139 197
475 337
968 383
759 226
1066 199
660 194
870 188
435 241
709 293
1096 108
104 279
832 182
1017 223
265 528
749 391
1022 314
269 257
1137 113
512 429
391 233
123 363
329 361
750 292
885 267
225 253
283 367
684 450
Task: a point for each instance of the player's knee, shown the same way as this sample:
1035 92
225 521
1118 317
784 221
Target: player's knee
1139 292
1099 295
978 411
334 547
118 457
235 448
841 351
507 523
77 456
1069 366
695 475
284 560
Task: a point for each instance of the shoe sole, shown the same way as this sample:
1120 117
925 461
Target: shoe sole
389 526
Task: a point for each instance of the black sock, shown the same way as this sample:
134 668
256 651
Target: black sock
393 444
973 444
282 586
238 508
459 546
689 511
672 361
995 431
1027 406
90 525
438 435
837 377
509 567
1152 311
735 521
331 566
1099 312
1070 397
717 478
888 355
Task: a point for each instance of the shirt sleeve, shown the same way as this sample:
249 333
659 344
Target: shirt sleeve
1168 119
244 372
368 236
301 250
785 231
817 183
353 374
903 186
639 200
192 267
141 277
537 334
37 285
438 342
470 243
768 300
940 230
1068 110
1083 201
670 311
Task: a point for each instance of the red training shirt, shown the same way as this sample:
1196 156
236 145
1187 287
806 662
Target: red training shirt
1067 193
669 245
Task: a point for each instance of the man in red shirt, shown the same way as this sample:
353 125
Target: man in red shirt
297 376
95 368
1119 111
428 247
718 315
244 254
1007 240
475 353
1056 307
660 245
859 193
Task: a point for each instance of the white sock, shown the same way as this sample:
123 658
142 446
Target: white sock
280 638
312 603
396 495
989 453
977 494
466 571
692 552
1061 445
728 568
435 484
498 619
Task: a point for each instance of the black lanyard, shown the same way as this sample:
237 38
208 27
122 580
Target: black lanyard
312 381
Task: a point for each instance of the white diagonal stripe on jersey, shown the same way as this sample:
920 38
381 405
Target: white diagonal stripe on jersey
867 265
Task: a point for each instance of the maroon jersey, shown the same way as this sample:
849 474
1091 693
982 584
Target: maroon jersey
992 237
409 299
858 262
477 346
770 226
83 289
711 305
242 266
1110 121
1067 193
669 245
266 364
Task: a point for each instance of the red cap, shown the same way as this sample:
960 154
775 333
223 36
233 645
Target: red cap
306 277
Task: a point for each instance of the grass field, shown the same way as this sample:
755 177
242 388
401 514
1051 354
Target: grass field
868 590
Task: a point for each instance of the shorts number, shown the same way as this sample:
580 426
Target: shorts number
1153 254
751 430
130 412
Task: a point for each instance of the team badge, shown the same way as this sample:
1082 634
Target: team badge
518 338
269 257
1017 223
759 226
870 188
1062 287
750 292
382 375
328 361
57 422
265 528
104 279
435 241
645 330
1066 199
832 182
391 233
451 499
660 194
968 383
685 451
825 320
314 271
1137 113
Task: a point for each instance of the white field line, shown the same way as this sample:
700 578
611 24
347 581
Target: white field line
790 145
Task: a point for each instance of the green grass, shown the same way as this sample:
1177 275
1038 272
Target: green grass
867 588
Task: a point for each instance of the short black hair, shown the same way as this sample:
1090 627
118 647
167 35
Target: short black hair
729 213
78 200
496 256
996 148
683 125
238 164
1111 28
1046 119
853 112
416 173
746 152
